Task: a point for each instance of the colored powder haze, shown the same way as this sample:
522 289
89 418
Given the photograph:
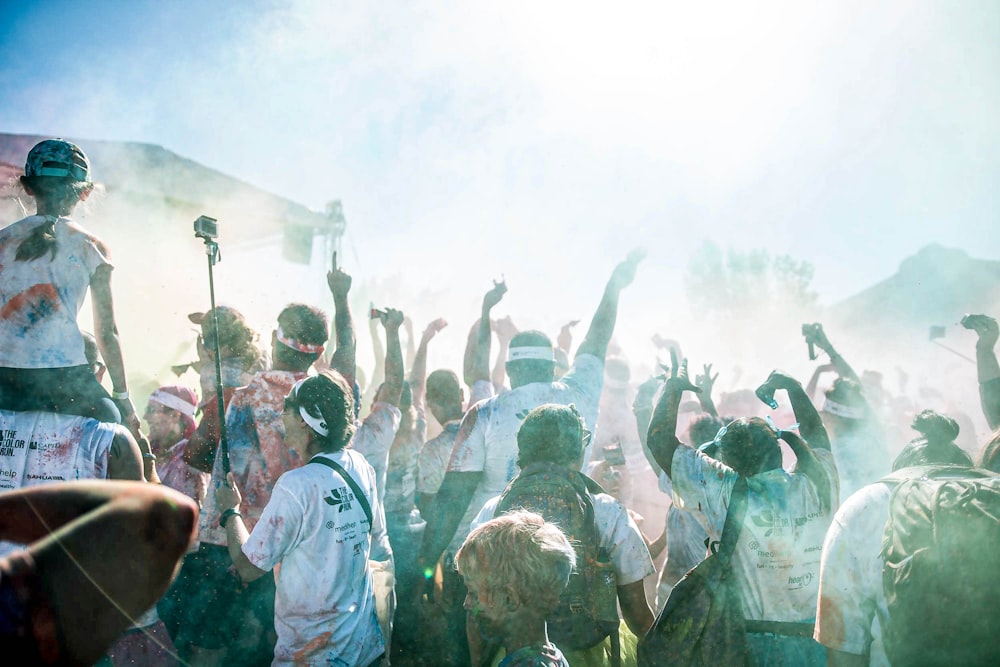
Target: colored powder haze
542 142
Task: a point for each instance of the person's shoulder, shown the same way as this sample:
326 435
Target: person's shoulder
74 228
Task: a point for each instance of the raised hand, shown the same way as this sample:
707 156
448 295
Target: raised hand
495 295
337 280
624 273
433 328
706 380
985 327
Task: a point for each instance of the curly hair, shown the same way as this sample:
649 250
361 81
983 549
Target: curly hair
518 554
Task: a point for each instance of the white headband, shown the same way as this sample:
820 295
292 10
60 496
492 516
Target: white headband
528 352
317 424
173 402
841 410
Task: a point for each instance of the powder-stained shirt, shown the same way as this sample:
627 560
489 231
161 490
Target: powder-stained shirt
401 475
258 455
374 439
40 299
852 610
180 476
618 533
778 553
487 442
44 447
324 607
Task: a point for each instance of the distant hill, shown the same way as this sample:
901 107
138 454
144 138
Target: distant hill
934 287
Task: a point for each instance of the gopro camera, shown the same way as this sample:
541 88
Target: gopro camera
206 228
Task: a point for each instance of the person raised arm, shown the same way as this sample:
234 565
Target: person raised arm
814 435
810 423
661 437
344 357
642 408
602 326
418 371
392 386
505 330
987 368
815 334
705 382
478 363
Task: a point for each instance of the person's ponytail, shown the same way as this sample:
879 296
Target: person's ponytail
41 240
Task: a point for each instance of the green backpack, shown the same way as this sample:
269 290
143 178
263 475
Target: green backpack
941 549
587 611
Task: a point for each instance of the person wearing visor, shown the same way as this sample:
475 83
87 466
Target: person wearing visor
323 523
484 458
48 262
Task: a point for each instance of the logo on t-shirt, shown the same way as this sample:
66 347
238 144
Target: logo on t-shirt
340 498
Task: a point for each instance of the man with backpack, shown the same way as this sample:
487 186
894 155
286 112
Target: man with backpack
909 567
612 557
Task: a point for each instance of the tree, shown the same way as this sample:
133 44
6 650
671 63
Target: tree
747 285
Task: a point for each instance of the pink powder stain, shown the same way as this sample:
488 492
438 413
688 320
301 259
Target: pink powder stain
37 298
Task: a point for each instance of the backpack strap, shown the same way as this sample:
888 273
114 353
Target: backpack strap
734 520
358 494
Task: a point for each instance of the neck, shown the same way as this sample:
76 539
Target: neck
46 208
526 629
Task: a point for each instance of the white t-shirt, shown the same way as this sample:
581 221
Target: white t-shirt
40 299
778 553
619 536
374 439
488 441
44 447
852 609
324 609
685 543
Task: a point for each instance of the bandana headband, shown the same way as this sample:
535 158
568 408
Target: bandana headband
841 410
296 345
529 352
166 399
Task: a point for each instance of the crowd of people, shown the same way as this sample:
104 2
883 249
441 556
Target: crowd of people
536 508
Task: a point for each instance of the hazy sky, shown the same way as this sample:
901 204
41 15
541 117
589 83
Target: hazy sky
544 140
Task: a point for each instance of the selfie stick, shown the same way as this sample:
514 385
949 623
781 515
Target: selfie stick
212 250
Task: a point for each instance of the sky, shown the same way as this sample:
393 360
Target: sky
543 141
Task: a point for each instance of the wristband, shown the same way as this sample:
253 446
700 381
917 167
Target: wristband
149 457
120 395
227 515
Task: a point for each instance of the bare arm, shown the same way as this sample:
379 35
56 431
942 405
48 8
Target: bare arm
125 460
418 371
603 324
228 496
642 408
392 388
987 368
635 608
662 436
705 382
505 330
106 332
818 337
344 357
480 362
810 423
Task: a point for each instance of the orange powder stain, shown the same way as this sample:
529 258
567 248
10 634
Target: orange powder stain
38 298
